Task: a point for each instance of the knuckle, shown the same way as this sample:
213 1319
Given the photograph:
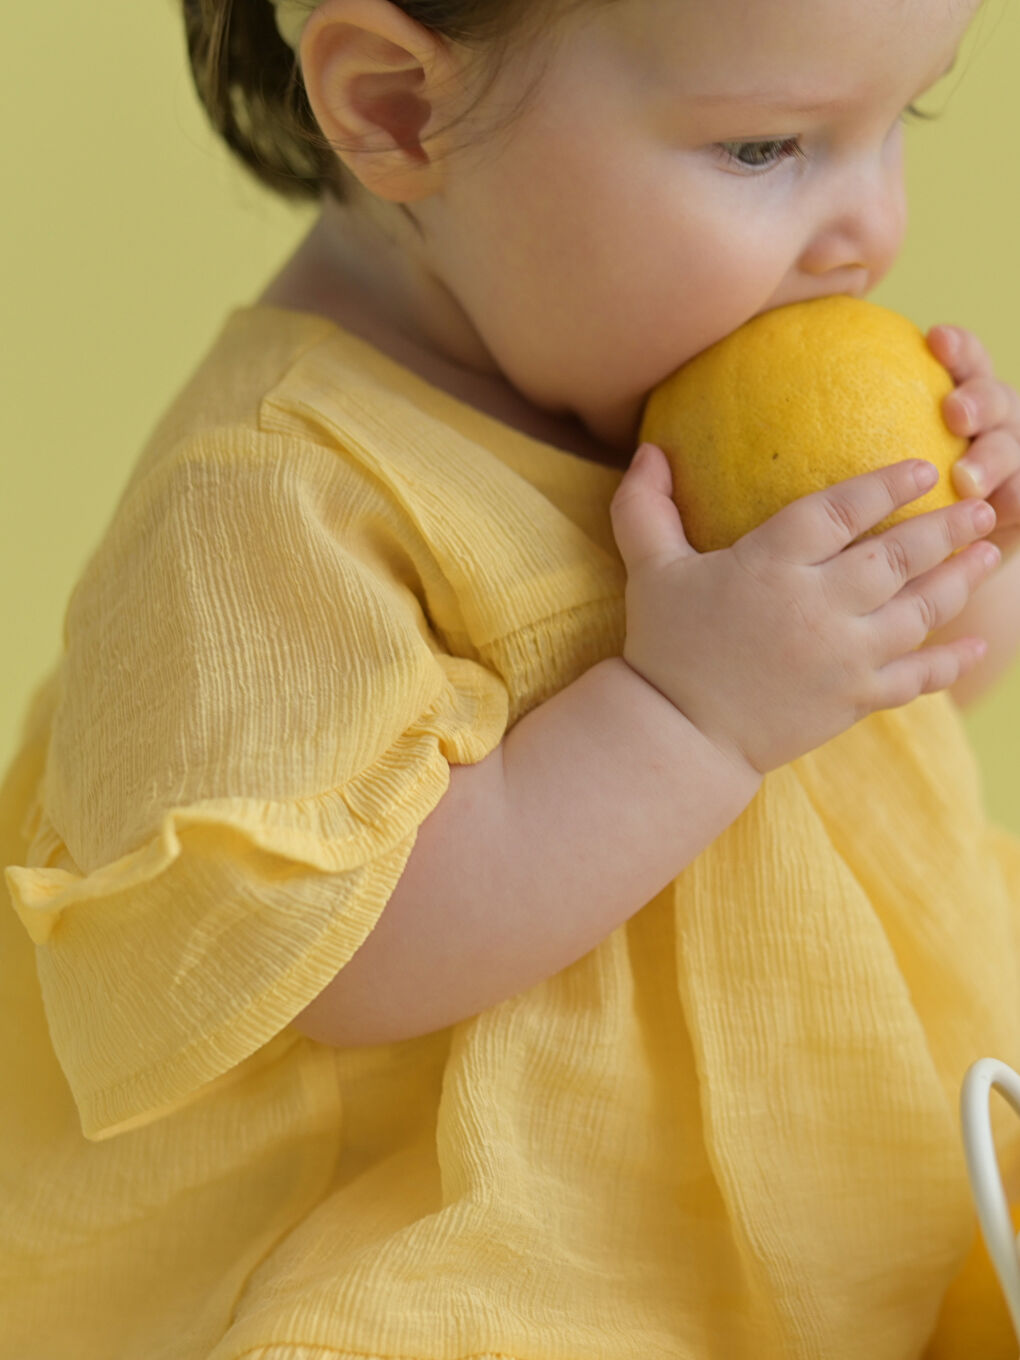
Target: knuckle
928 613
841 514
898 559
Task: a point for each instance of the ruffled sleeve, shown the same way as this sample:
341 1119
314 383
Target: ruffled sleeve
254 718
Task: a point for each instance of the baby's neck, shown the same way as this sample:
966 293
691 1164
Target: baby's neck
348 275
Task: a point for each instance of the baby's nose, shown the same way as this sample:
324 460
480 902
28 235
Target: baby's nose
861 229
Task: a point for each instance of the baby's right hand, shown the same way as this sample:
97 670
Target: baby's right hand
782 641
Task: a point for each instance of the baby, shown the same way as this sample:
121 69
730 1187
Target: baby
643 195
453 918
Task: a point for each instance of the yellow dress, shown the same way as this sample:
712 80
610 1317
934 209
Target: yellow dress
729 1132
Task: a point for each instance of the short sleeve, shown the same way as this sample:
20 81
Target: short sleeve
254 718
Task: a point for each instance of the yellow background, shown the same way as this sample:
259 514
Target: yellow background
129 232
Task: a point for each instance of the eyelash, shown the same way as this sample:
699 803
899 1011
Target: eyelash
791 147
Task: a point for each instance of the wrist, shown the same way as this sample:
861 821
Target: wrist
669 717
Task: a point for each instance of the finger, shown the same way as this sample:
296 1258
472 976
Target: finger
931 601
959 350
816 527
1007 540
989 463
981 404
925 671
870 573
646 523
1006 503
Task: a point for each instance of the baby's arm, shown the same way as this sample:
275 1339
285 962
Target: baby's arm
734 662
591 805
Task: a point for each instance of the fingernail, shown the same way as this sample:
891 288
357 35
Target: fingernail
974 475
968 410
925 474
984 518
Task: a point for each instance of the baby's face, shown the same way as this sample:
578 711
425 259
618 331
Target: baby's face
626 221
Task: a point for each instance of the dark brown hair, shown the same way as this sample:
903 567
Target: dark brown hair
249 80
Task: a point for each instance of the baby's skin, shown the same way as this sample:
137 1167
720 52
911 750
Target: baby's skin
986 410
822 629
737 158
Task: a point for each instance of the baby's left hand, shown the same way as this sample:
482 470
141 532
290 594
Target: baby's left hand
987 411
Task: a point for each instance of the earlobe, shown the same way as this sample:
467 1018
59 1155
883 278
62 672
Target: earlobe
378 82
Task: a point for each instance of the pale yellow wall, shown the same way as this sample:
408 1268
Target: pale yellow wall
129 233
960 267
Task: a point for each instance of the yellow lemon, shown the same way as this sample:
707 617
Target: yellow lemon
797 399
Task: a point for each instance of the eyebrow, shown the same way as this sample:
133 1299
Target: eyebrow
771 100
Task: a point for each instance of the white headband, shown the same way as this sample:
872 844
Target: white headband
291 17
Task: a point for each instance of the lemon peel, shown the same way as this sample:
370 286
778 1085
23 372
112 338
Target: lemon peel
795 400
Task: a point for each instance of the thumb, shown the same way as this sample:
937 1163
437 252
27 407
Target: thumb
646 522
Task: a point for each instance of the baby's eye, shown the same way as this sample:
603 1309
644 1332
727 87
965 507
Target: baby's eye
762 155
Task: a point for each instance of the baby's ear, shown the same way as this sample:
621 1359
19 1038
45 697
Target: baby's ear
380 85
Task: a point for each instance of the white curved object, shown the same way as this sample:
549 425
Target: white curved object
985 1177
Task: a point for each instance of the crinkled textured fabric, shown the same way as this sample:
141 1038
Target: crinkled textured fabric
729 1131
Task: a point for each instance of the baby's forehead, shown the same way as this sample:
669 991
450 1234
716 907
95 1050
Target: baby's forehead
795 52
